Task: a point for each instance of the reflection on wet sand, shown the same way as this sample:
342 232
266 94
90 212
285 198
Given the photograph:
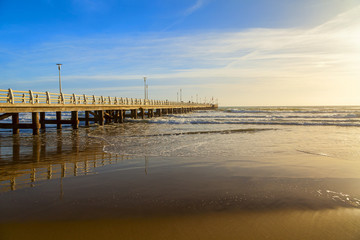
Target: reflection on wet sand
35 159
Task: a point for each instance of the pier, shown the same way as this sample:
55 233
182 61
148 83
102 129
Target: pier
96 109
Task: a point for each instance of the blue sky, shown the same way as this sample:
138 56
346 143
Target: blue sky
243 52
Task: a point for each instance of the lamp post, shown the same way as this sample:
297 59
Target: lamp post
59 67
145 88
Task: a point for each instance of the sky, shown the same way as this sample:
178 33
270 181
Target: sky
241 52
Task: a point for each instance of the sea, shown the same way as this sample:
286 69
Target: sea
230 173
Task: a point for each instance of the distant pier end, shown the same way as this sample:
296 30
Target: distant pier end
97 109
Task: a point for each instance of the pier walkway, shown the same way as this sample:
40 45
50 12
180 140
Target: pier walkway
97 109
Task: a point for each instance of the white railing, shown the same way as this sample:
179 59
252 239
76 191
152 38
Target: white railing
30 97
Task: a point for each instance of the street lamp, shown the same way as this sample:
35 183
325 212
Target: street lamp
59 67
145 87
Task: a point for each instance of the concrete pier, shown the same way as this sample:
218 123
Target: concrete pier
101 110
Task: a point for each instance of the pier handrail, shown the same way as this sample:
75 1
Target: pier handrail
30 97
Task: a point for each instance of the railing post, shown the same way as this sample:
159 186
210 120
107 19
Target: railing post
102 100
62 98
11 97
94 99
85 100
48 100
74 98
109 100
31 97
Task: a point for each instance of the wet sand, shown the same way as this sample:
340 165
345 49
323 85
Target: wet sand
64 186
290 224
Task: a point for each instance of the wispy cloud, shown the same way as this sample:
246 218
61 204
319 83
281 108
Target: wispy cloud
184 14
198 4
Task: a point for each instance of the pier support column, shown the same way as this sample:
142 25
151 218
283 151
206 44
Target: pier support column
150 113
58 120
142 113
107 117
75 119
112 116
158 112
15 123
121 116
42 121
100 116
116 116
87 116
134 114
35 123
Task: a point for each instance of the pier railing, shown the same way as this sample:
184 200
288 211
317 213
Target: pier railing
30 97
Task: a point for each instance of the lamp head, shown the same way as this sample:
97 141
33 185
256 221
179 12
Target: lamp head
59 66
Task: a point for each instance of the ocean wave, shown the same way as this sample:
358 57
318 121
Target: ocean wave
227 131
240 122
237 116
287 111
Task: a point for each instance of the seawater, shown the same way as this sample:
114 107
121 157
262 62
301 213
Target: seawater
285 137
232 173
